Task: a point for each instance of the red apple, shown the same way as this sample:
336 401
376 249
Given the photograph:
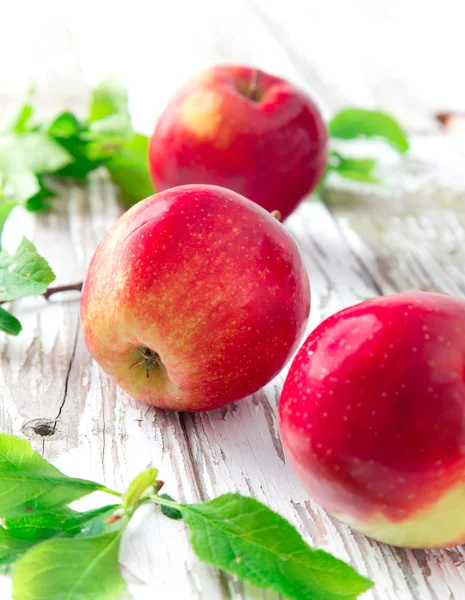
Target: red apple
195 298
245 130
372 418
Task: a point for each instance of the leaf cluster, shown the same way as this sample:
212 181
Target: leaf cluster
60 553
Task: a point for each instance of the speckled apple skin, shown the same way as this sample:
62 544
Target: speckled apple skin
372 418
273 151
208 280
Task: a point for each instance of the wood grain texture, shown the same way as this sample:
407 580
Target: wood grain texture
408 234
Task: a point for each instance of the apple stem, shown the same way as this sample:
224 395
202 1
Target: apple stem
276 214
148 359
253 86
55 290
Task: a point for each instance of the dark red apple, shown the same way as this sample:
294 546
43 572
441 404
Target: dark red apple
195 298
372 417
245 130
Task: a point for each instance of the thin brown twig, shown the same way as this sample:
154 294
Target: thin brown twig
59 288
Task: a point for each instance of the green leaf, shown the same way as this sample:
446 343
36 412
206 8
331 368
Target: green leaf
71 134
70 569
244 537
32 151
21 121
30 485
97 523
358 176
352 123
68 147
39 527
358 169
129 170
138 486
40 201
82 165
6 206
21 534
26 273
62 520
12 548
109 113
24 184
8 323
169 511
66 125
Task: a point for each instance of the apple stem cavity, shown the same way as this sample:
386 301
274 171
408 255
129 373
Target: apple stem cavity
148 358
252 92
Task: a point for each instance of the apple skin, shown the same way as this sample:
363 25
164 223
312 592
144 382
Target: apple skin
272 150
372 418
207 280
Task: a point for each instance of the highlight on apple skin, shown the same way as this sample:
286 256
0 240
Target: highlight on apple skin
245 130
372 418
195 298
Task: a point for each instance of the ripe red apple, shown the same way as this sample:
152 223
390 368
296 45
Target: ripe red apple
372 417
245 130
195 298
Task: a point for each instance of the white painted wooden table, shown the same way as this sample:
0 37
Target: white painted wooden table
407 234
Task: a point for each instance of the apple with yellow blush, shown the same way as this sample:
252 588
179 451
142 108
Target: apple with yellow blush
195 298
372 418
243 129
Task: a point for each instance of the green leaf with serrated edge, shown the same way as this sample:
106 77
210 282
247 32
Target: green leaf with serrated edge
70 569
62 520
30 485
8 323
138 486
169 511
352 123
242 536
25 273
129 170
